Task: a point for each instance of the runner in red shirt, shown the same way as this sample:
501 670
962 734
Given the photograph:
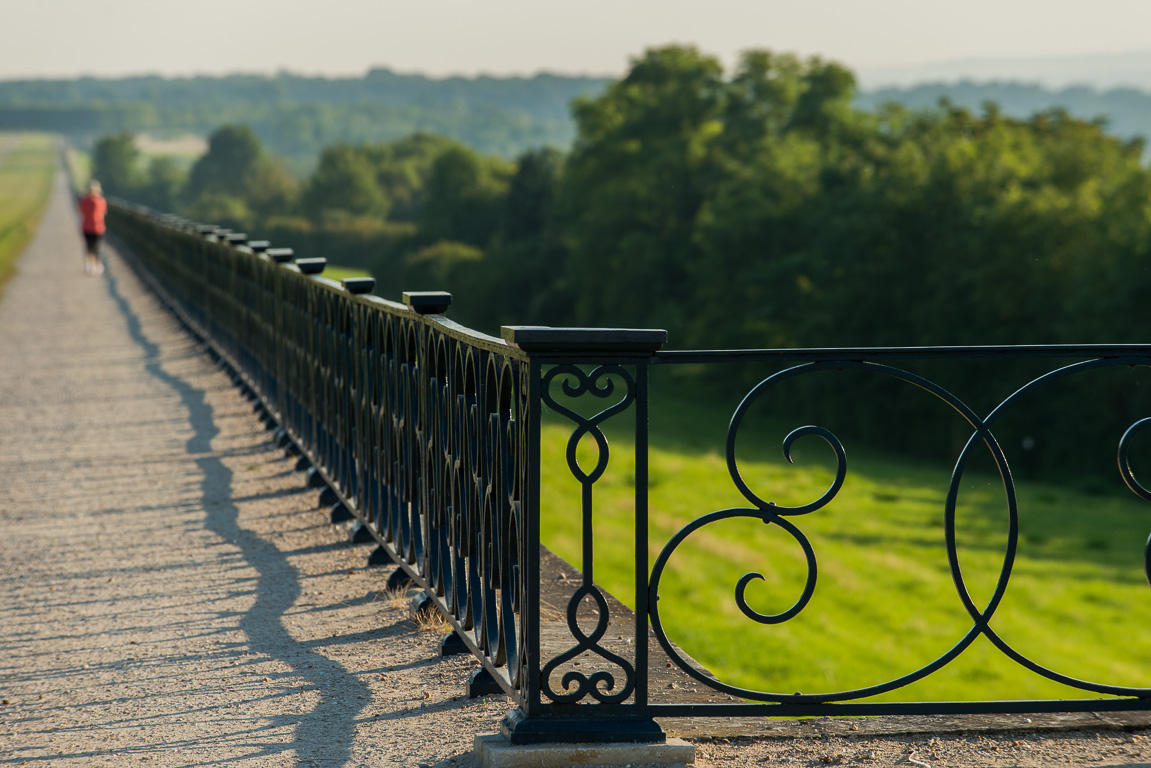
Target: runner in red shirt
93 206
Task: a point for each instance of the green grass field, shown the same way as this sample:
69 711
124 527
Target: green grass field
339 273
25 185
79 167
885 602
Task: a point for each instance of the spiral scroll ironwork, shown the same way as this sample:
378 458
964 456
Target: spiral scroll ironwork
1131 482
771 513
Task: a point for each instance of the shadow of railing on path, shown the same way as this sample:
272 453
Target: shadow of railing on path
330 726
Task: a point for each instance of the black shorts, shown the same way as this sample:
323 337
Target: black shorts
92 243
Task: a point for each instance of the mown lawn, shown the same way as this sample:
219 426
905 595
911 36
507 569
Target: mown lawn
25 185
340 273
885 602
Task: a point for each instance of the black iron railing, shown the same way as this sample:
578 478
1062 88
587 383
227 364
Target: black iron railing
430 434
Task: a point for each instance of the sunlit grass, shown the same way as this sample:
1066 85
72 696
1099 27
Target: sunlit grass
79 168
885 602
342 273
25 185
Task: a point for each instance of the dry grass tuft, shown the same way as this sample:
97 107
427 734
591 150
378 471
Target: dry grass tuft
430 620
395 599
549 612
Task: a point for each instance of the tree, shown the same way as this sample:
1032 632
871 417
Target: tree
221 209
115 164
532 194
637 176
824 105
523 276
344 183
162 185
761 99
235 166
403 168
233 155
464 193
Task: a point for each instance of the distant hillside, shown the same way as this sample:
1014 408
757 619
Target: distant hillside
1126 110
1126 69
297 116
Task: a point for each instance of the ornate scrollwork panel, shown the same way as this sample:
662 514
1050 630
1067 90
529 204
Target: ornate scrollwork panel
771 513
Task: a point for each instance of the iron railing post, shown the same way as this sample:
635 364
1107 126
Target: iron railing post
587 358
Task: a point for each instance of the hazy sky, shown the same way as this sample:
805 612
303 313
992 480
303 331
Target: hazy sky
65 38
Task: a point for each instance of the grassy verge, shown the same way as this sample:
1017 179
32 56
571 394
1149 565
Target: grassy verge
25 185
340 273
79 168
885 603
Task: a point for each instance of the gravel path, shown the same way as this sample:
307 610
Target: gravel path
172 595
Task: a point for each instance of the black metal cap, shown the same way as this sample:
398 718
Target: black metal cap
312 266
259 246
537 338
428 302
359 285
236 238
280 255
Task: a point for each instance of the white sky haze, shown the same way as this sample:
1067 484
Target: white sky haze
67 38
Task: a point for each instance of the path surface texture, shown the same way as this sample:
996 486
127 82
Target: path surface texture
171 595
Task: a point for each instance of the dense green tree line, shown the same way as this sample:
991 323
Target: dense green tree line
760 208
296 117
543 96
